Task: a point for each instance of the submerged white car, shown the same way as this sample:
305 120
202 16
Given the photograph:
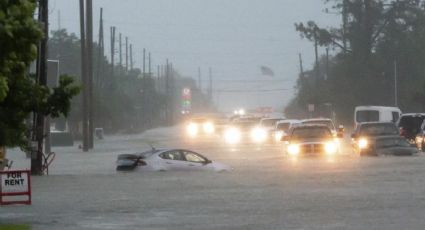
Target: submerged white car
167 159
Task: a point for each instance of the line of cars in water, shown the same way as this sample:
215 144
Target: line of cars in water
377 131
308 136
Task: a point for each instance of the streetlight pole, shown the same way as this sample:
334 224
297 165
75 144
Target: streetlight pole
395 84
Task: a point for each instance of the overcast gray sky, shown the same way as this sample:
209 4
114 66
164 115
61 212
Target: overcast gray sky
233 37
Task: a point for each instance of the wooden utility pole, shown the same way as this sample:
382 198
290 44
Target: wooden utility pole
316 53
149 65
167 91
327 64
89 28
84 68
112 49
172 93
395 85
301 65
158 79
120 50
131 56
101 50
126 54
37 156
144 62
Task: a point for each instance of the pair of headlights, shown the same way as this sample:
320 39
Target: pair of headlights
193 128
331 148
234 135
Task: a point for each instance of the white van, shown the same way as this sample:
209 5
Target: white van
375 114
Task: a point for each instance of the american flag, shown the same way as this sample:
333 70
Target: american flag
266 71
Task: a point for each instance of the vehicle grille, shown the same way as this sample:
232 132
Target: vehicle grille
312 148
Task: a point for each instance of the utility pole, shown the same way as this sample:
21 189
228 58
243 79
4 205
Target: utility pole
112 49
101 50
172 93
36 157
167 91
316 52
84 67
120 50
126 54
89 28
131 56
327 64
301 66
144 62
158 79
395 84
149 64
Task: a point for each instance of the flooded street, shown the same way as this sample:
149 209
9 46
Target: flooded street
266 190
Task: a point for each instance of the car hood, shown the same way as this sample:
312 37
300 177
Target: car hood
310 141
220 167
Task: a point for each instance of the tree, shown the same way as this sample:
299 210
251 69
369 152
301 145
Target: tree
20 95
374 34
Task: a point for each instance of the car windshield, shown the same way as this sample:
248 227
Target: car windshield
283 126
311 132
198 120
328 123
269 122
245 124
367 116
391 142
378 129
411 123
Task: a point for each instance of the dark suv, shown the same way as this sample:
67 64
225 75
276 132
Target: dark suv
409 125
365 135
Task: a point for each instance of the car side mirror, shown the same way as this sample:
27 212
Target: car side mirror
207 162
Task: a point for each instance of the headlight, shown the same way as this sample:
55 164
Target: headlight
192 129
208 127
278 135
232 135
331 148
258 135
293 149
363 143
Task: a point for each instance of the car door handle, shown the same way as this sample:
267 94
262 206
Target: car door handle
169 163
192 165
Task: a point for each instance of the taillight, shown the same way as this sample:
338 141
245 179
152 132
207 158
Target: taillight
402 132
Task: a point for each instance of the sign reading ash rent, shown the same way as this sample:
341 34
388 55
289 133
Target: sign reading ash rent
14 186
